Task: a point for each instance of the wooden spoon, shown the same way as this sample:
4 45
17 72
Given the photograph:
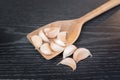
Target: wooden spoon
73 27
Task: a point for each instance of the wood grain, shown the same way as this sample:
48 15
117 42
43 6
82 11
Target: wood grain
19 60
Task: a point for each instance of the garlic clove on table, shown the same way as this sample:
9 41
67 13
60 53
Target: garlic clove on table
69 62
80 54
69 50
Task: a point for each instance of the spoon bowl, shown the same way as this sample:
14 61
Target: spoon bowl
66 25
73 27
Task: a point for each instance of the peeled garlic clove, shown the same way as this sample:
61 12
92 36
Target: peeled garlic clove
43 36
45 49
69 50
55 47
62 36
51 32
37 41
59 42
69 62
80 54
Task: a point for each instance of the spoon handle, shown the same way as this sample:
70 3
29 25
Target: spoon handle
103 8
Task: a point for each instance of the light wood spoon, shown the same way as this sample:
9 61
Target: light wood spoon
73 27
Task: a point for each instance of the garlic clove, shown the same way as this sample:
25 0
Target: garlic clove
45 49
37 41
59 42
68 62
62 36
43 36
51 32
69 50
55 47
80 54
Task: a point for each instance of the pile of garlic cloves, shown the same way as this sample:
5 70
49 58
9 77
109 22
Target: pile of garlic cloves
78 55
51 40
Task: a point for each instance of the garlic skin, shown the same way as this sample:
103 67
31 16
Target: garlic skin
37 41
59 42
62 36
52 32
69 50
45 49
55 47
68 62
80 54
43 36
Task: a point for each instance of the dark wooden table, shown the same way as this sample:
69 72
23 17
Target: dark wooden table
19 60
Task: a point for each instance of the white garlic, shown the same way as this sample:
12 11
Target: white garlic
80 54
51 32
69 62
69 50
37 41
43 36
45 49
55 47
62 36
59 42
